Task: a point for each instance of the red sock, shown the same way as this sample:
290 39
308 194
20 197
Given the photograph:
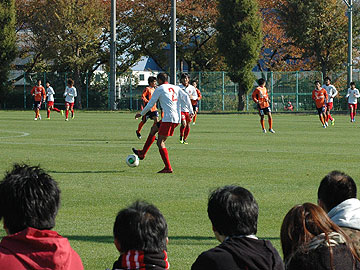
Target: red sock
182 130
141 124
72 112
330 117
48 113
351 115
56 109
354 114
67 114
148 143
165 157
186 132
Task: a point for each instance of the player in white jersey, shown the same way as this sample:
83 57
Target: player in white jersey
50 100
186 111
169 97
332 92
352 95
70 94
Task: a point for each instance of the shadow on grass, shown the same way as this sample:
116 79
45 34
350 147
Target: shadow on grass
87 238
86 171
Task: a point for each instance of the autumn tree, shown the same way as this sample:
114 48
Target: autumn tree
319 28
7 43
239 40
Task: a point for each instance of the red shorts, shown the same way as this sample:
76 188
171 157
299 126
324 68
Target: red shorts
167 128
71 105
50 103
352 105
185 116
329 106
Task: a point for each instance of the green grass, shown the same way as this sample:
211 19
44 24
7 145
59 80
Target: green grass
87 158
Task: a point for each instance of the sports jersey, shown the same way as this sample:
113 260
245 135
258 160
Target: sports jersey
146 96
320 97
38 92
260 96
190 90
50 93
184 100
70 94
353 95
332 92
168 96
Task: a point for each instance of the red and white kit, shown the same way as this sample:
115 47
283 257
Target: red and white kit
70 94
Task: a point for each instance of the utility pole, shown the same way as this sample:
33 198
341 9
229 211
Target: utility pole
112 93
173 43
349 4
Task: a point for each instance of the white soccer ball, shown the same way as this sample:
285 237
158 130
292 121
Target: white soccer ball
132 160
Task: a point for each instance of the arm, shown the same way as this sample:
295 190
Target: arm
357 94
144 96
254 96
348 93
152 101
199 94
184 96
334 92
313 95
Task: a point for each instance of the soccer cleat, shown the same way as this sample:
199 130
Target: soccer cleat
48 118
193 123
39 116
271 130
165 170
138 134
137 152
73 116
324 126
62 112
66 119
184 142
333 122
35 118
264 130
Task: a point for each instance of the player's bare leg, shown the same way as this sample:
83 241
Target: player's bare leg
164 154
262 122
149 141
270 121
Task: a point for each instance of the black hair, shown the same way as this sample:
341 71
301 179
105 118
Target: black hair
70 82
162 76
38 80
352 83
29 197
233 211
194 81
184 76
317 82
141 226
335 188
327 78
261 81
48 82
151 79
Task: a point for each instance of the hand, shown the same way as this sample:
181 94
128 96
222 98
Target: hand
137 116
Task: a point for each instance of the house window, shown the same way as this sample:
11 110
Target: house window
142 77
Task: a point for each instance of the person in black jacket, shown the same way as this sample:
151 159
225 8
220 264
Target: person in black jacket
233 212
311 241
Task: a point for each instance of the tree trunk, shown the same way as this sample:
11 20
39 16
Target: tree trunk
79 86
242 99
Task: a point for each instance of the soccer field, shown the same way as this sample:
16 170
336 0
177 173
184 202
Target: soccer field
87 158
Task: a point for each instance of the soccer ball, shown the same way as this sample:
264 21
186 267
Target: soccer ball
132 160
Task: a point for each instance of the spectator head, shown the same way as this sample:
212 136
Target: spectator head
335 188
29 197
233 211
162 78
301 224
261 81
141 226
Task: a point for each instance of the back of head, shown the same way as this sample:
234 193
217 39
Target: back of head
163 77
335 188
141 226
301 224
70 82
29 197
261 81
233 211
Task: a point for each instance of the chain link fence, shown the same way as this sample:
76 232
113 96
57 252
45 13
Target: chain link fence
219 93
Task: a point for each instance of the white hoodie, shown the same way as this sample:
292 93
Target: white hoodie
347 214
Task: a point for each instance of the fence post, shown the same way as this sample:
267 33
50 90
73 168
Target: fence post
131 97
199 86
24 90
272 89
247 102
109 91
223 91
87 90
297 90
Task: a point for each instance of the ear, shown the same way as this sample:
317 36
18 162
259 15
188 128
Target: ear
218 236
117 244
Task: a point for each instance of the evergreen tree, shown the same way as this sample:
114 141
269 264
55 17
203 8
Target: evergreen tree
240 40
7 43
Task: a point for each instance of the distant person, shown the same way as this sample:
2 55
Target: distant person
140 235
186 108
332 92
169 97
311 241
261 98
337 196
70 94
233 213
352 96
153 113
195 101
29 203
50 100
320 96
38 92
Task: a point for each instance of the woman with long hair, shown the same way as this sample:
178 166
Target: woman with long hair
310 240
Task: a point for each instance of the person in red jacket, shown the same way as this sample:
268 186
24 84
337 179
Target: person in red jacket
29 202
38 92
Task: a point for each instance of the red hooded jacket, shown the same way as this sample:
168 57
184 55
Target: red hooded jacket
38 249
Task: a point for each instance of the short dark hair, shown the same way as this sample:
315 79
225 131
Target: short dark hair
141 226
233 210
327 78
162 76
261 81
70 82
151 79
29 197
184 76
317 82
352 83
335 188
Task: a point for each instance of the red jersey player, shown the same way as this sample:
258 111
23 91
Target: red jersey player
38 92
169 97
320 96
261 98
153 113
